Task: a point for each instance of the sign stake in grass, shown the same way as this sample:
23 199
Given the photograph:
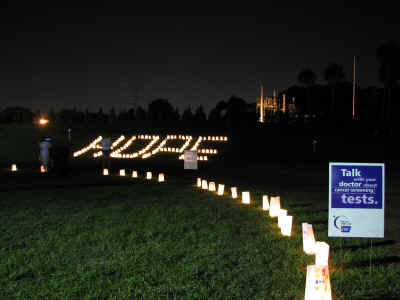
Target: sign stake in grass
246 197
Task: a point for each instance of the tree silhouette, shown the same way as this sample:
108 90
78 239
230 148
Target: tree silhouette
131 114
333 74
388 55
217 112
187 114
140 113
200 115
112 115
235 111
161 109
307 77
101 115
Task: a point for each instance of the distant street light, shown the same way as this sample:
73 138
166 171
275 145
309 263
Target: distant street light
43 121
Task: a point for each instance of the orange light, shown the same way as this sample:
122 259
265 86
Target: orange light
204 184
43 121
318 284
308 238
211 186
282 213
286 225
234 192
321 253
246 197
265 202
221 188
161 177
275 206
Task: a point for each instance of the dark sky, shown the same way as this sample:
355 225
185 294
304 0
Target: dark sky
108 56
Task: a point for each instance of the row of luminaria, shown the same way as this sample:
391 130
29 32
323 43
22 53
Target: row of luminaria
134 174
317 280
155 145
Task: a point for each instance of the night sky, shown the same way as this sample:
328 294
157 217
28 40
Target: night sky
110 56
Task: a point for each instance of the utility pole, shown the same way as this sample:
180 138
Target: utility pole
262 105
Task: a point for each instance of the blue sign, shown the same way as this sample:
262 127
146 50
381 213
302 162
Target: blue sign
356 186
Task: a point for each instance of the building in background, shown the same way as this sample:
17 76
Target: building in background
269 107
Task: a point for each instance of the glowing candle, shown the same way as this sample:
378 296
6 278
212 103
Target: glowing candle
122 172
13 167
105 172
286 225
204 184
281 214
221 188
199 182
134 174
246 197
42 169
275 206
321 253
234 192
211 186
161 177
265 202
318 285
308 238
148 175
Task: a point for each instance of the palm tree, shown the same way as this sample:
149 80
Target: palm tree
307 77
333 74
388 55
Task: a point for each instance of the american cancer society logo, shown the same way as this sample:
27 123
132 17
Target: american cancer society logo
342 223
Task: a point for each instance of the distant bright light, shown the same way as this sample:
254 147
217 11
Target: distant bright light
43 121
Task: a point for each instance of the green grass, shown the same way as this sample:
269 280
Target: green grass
149 240
138 241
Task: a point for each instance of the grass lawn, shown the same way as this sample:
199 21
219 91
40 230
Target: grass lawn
136 239
86 236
